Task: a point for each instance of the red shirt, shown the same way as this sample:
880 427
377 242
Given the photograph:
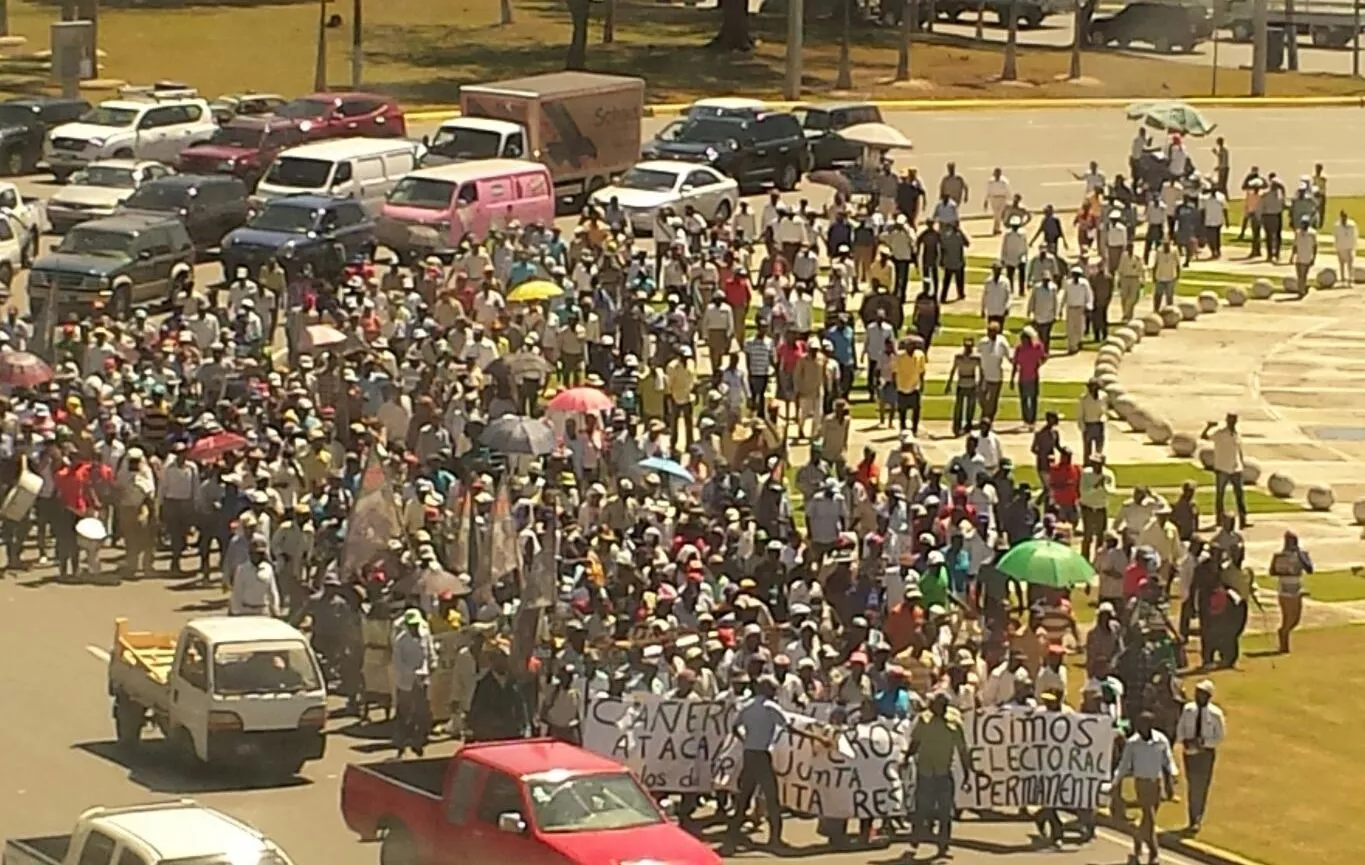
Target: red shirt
72 487
1028 359
1133 577
1064 480
737 290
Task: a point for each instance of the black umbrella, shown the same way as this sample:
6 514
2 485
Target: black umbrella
519 435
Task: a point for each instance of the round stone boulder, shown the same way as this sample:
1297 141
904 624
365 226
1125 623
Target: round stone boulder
1262 289
1291 285
1170 317
1237 296
1127 336
1115 391
1281 486
1208 302
1115 343
1123 405
1321 498
1189 310
1139 419
1358 274
1205 455
1152 324
1184 444
1108 381
1106 370
1326 277
1159 432
1358 511
1109 355
1251 472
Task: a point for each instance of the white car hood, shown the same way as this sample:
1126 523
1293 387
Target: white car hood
637 199
86 131
91 196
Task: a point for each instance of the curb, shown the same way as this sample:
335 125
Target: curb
1175 842
427 113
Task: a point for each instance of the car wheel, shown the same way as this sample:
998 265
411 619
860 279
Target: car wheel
722 213
1031 20
128 721
6 275
788 177
13 162
123 153
1162 44
397 848
62 175
30 250
182 749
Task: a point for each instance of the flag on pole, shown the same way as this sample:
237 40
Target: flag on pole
374 520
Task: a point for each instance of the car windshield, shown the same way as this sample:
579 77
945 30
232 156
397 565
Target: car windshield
82 240
104 175
297 172
16 114
287 218
237 136
283 666
589 803
816 120
304 109
425 192
157 197
457 142
648 180
706 130
106 116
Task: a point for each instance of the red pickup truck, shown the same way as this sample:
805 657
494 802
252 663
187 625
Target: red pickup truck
522 802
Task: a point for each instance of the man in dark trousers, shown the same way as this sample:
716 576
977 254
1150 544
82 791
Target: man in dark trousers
497 710
758 725
1200 730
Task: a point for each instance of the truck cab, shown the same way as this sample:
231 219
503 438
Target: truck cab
230 690
461 139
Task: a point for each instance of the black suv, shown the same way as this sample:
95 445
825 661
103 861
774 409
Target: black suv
210 205
117 263
327 233
769 148
1164 26
823 121
24 124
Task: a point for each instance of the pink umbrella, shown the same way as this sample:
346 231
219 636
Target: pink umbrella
581 400
213 447
22 369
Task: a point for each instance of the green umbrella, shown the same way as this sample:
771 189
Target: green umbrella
1171 117
1046 563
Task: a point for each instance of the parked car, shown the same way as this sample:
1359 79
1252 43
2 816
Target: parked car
143 124
649 186
771 148
820 123
115 263
24 125
210 205
1164 26
161 833
232 105
727 106
338 115
301 229
245 147
98 190
28 218
500 802
1031 13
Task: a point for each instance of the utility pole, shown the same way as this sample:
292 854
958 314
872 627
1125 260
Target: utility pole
1291 37
357 52
1258 47
844 80
1355 40
1076 37
796 19
1213 88
320 66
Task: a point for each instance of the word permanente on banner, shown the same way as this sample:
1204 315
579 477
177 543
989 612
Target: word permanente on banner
1030 758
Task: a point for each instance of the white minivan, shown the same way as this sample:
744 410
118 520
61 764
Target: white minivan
364 169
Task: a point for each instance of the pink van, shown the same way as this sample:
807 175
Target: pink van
432 209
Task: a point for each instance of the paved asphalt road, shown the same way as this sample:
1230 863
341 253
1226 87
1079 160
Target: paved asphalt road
58 757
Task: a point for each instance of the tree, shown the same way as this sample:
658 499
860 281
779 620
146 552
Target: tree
504 13
734 27
981 21
1085 13
609 23
845 78
909 20
578 42
1011 70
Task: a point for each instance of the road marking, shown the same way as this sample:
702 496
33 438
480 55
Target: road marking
97 652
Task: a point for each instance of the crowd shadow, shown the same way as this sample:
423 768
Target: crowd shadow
153 767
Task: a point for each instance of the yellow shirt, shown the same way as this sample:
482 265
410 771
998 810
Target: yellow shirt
907 370
681 381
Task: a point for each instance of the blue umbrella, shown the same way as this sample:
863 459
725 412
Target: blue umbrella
667 467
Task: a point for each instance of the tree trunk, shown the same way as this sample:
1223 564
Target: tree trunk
981 21
929 19
1291 37
1011 70
734 27
845 78
577 58
504 13
1077 36
909 12
609 23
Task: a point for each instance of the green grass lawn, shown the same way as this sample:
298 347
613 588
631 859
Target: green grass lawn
1058 396
1333 586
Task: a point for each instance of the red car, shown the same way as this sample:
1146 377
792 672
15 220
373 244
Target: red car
522 801
245 147
341 115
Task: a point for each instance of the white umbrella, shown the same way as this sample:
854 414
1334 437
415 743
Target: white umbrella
876 135
319 336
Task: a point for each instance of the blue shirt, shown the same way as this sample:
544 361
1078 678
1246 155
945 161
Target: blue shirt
759 722
842 338
521 271
893 703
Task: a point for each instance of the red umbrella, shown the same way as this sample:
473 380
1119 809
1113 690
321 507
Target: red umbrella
582 400
213 447
22 369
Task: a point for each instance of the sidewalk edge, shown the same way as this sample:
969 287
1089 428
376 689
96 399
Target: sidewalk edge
1192 848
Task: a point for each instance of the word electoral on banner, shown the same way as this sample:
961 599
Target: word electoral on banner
674 746
1022 758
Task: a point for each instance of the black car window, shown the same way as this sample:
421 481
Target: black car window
9 198
698 179
166 115
64 112
349 214
18 114
98 849
816 120
358 107
711 130
331 221
462 789
839 119
158 240
6 233
157 196
501 795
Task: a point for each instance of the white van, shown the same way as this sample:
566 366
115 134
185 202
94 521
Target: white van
361 168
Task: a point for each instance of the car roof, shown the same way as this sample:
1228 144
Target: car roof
44 100
219 629
337 95
260 122
129 223
350 148
834 106
731 102
192 831
193 180
130 164
673 166
463 172
312 202
522 757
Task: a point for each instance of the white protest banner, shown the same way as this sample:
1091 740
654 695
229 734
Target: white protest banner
1023 757
673 745
847 773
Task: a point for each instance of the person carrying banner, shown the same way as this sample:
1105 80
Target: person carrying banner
758 724
938 736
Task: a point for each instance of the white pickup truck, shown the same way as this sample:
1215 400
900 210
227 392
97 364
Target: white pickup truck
157 834
242 691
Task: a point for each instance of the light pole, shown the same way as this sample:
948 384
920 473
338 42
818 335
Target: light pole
1355 40
1258 47
357 53
796 17
320 66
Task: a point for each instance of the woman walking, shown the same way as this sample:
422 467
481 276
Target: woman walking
1288 566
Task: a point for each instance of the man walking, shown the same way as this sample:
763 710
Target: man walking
937 736
1345 238
413 657
758 725
1271 208
1147 758
1090 414
1304 253
1079 299
1228 462
1165 273
1129 277
1201 729
1042 309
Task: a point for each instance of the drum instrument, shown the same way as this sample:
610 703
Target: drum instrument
19 500
91 533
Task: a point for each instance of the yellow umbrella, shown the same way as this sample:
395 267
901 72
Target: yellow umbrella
536 289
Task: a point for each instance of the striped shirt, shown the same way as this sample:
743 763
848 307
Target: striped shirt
758 352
